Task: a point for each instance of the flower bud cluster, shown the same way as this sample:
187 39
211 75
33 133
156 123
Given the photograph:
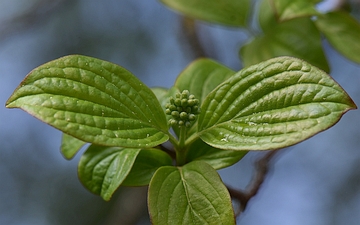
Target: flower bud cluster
183 109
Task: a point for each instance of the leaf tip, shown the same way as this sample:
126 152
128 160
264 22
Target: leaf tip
8 103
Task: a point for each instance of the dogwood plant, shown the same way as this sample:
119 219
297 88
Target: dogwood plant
212 117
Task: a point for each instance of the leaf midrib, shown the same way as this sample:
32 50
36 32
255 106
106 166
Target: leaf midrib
54 94
92 86
312 118
185 184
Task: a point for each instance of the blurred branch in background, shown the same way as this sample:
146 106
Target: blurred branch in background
190 32
262 167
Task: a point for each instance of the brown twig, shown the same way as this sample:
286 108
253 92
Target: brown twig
191 35
171 152
262 169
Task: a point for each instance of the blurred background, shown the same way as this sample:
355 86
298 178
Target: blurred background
316 182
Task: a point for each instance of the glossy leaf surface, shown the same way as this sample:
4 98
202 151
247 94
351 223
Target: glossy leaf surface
343 33
102 169
226 12
192 194
286 10
145 165
273 104
217 158
286 39
70 146
93 100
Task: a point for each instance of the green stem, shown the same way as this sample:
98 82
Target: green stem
181 148
191 139
173 140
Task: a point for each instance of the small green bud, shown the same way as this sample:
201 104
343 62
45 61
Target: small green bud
175 114
183 115
185 94
192 117
178 102
184 102
195 109
172 107
172 122
191 102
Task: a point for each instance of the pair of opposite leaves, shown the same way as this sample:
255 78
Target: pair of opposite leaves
270 105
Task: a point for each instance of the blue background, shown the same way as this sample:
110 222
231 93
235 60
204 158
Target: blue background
315 182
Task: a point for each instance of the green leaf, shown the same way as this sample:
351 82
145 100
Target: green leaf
266 15
225 12
93 100
145 165
343 33
286 39
287 10
102 169
192 194
202 76
163 95
217 158
271 105
70 146
160 93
